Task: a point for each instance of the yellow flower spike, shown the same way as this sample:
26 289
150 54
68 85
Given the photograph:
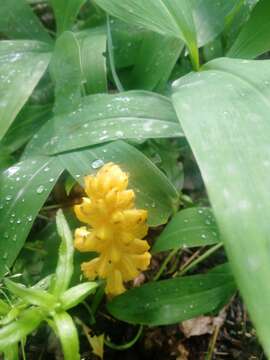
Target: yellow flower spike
116 230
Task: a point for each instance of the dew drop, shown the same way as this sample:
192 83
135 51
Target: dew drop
8 197
97 164
40 189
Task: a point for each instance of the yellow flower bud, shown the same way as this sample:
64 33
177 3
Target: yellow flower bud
116 230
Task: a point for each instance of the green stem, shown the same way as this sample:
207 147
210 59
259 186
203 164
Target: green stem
164 264
194 56
116 79
200 259
126 345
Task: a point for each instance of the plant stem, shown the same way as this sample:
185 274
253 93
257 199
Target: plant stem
164 264
200 259
126 345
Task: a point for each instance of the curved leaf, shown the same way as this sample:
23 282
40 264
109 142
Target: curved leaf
65 12
64 269
26 323
154 61
24 188
224 112
93 44
75 295
172 301
66 72
102 118
188 228
33 296
253 39
67 333
22 64
17 21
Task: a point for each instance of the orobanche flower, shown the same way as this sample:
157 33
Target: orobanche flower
115 229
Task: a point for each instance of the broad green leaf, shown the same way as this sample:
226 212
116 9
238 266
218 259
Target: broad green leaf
22 64
235 20
188 228
17 21
33 296
167 17
154 191
93 59
172 301
67 333
254 39
65 12
66 72
26 323
64 269
75 295
210 17
26 124
24 188
224 111
154 61
195 22
102 118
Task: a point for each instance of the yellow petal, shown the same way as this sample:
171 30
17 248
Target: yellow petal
85 240
128 268
138 246
115 285
141 261
90 268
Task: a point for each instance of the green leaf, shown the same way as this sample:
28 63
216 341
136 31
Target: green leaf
66 72
17 21
32 296
26 124
24 188
102 118
210 17
224 112
154 61
126 40
167 17
154 191
172 301
93 44
25 324
254 39
22 64
75 295
188 228
67 333
64 269
65 12
196 22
